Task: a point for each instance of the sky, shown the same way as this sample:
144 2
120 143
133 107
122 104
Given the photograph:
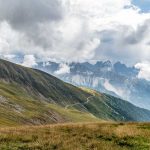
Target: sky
143 4
76 30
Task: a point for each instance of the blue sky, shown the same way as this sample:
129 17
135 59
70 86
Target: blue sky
143 4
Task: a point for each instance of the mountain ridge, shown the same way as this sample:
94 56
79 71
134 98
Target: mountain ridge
30 96
115 79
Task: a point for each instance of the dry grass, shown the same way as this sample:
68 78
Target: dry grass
81 136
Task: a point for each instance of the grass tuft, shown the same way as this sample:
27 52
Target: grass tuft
78 136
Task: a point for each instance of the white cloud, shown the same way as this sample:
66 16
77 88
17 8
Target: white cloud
117 90
63 69
144 70
9 57
9 39
74 30
29 61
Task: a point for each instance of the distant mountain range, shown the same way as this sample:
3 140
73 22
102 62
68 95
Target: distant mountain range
115 79
29 96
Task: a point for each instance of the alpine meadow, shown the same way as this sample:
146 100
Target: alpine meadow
74 75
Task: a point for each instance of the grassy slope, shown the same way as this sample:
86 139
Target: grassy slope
90 136
108 107
30 96
40 83
17 107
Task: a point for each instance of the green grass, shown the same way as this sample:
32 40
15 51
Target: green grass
81 136
32 110
74 115
23 107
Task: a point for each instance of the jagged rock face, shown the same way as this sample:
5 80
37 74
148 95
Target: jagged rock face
115 79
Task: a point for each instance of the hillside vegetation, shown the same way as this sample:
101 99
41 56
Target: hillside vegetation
32 97
90 136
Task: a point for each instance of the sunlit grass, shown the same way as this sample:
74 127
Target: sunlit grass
81 136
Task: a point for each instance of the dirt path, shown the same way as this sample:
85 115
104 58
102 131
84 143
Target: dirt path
88 100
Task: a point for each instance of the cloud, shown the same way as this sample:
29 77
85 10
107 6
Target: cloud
63 69
74 30
21 14
9 57
117 90
29 61
26 18
125 43
144 72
